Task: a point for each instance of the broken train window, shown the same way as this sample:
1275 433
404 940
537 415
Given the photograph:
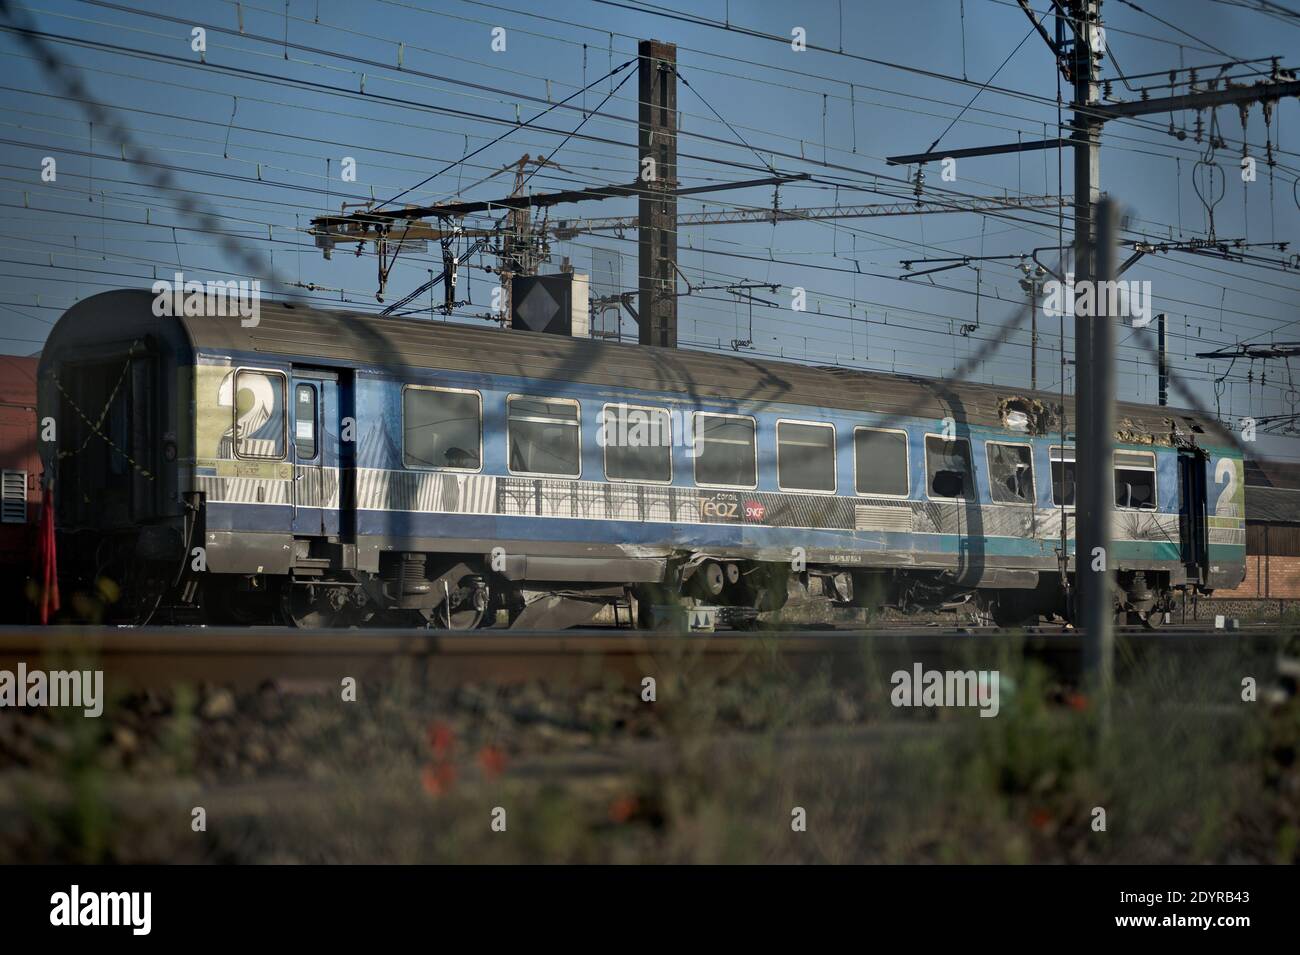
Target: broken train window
948 469
1011 473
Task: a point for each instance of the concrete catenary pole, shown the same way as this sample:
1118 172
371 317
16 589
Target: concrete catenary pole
1095 470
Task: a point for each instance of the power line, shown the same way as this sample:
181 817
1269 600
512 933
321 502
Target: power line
523 125
586 114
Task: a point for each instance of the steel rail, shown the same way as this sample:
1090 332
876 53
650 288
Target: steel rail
153 657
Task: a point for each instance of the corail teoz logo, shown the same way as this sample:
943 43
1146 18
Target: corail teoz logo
195 299
84 688
1108 299
921 687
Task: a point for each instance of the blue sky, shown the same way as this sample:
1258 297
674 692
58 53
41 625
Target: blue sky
260 131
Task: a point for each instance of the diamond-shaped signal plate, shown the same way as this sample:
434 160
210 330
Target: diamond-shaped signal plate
538 308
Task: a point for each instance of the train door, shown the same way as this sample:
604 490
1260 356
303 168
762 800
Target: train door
1193 513
315 453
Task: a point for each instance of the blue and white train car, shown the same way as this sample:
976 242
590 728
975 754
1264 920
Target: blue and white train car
332 468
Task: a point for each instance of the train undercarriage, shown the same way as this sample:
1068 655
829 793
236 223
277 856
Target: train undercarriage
471 591
465 593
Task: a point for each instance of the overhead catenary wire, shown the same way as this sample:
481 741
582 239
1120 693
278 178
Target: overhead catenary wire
601 139
380 65
791 264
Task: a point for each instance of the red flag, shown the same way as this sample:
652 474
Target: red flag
47 561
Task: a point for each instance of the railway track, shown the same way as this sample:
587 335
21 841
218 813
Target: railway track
244 657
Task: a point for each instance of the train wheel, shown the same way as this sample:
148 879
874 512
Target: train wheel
472 599
1013 614
1151 619
318 606
464 619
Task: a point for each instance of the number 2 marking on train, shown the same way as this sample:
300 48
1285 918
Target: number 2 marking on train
1226 470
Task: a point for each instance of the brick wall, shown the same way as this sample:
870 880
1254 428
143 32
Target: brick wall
1270 576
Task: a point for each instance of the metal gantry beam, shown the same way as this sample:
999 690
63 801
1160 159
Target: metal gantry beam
1230 95
369 226
360 231
1269 350
389 218
568 228
973 151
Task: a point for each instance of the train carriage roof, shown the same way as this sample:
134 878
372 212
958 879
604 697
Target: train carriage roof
299 333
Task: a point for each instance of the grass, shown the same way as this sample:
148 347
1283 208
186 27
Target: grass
712 771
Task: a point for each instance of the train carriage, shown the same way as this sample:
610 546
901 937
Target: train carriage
327 468
20 493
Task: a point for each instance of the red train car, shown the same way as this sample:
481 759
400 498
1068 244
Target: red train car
20 491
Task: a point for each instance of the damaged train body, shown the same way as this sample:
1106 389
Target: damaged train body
329 469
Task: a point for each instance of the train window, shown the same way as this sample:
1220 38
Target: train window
805 456
1011 473
543 436
442 428
947 467
1062 476
880 462
638 443
726 453
258 407
304 422
1135 480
